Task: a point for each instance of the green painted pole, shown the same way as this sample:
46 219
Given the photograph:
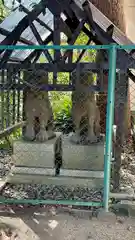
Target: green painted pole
109 124
66 47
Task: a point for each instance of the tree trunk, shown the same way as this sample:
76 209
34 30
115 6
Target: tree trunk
114 10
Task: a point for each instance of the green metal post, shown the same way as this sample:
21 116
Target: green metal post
109 124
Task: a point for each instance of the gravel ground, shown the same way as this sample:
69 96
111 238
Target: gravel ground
5 163
52 192
40 225
128 170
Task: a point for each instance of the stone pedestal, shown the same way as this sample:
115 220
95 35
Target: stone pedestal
36 163
36 155
78 157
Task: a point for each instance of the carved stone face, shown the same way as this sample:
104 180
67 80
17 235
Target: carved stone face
84 78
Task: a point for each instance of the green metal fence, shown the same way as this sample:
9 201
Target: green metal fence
109 124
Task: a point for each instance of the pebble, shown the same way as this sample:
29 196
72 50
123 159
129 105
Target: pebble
121 220
132 168
5 163
129 190
52 192
129 228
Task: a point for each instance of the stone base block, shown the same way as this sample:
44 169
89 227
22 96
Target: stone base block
51 180
79 157
33 154
125 207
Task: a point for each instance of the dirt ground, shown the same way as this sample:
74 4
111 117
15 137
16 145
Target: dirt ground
41 224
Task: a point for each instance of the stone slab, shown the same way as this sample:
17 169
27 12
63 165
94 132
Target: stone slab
64 172
33 154
126 207
67 181
82 157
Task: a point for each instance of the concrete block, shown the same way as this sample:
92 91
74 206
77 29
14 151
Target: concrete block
51 180
125 207
82 157
33 154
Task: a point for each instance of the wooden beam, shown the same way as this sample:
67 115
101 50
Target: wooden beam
72 23
33 54
21 39
82 52
100 36
56 37
66 8
56 41
17 31
80 14
2 98
64 67
40 41
88 12
77 32
131 75
73 39
11 129
70 60
102 56
54 6
21 26
18 100
49 87
36 57
65 29
7 104
43 24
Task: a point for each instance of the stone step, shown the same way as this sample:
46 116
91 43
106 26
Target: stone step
125 207
63 172
61 180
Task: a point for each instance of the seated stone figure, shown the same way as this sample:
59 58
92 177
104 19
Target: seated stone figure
38 112
84 108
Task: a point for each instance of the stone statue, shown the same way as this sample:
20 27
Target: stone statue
84 108
38 112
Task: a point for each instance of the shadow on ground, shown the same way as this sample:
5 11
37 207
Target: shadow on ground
49 224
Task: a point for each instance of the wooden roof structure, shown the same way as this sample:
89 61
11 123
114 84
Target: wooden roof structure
43 23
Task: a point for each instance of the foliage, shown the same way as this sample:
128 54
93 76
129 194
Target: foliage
7 143
3 11
63 118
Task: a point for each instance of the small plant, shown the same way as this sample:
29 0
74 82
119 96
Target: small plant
62 111
64 122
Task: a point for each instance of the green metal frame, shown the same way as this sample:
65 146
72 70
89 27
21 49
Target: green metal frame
66 47
109 125
51 202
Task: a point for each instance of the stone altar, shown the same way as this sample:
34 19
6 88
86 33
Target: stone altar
37 155
82 157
